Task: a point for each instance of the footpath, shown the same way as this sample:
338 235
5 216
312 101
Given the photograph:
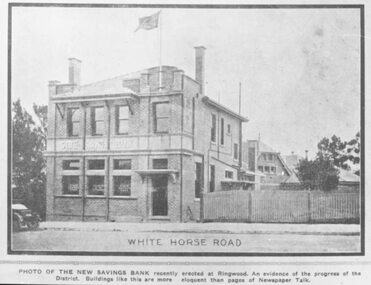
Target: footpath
222 228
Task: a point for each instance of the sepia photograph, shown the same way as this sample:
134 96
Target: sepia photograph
186 130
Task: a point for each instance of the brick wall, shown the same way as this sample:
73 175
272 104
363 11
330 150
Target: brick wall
191 205
141 145
138 204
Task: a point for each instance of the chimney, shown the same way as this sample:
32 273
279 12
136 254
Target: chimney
200 67
74 71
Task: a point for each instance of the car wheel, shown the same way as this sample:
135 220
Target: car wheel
32 225
16 226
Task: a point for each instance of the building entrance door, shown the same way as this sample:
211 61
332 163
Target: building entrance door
159 195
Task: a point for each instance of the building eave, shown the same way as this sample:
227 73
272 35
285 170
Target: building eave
87 98
218 106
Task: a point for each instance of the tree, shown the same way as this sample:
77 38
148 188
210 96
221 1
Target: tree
333 154
353 151
334 149
345 155
319 173
29 141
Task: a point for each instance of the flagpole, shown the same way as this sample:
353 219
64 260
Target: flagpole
160 56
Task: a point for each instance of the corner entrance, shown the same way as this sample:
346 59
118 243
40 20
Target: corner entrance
159 195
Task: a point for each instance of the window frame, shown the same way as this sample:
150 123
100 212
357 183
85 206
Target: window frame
213 128
222 131
123 159
236 151
114 176
158 159
156 118
88 177
95 169
229 129
228 174
69 168
71 123
65 176
199 182
94 121
119 120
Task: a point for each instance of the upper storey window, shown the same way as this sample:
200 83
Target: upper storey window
213 127
235 151
97 121
122 120
160 163
161 117
222 131
73 122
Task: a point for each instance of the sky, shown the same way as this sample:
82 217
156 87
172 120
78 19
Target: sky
299 68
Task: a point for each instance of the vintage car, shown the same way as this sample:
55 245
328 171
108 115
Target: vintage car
24 218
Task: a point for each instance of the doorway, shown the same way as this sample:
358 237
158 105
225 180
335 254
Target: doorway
159 195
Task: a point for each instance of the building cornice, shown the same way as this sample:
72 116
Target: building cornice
102 97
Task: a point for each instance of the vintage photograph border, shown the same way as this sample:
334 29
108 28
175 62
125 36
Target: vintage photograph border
190 6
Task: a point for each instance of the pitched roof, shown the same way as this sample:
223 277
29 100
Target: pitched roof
265 148
292 179
292 160
216 105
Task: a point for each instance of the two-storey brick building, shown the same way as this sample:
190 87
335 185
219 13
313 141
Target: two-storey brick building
141 146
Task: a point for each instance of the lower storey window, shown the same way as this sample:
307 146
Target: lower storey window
70 185
95 185
122 185
229 174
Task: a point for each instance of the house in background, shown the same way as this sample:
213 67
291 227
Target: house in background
265 160
142 146
348 181
292 160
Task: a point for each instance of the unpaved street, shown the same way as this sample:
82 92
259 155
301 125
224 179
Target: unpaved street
113 240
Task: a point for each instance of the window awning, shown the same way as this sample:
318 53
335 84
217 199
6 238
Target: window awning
153 172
